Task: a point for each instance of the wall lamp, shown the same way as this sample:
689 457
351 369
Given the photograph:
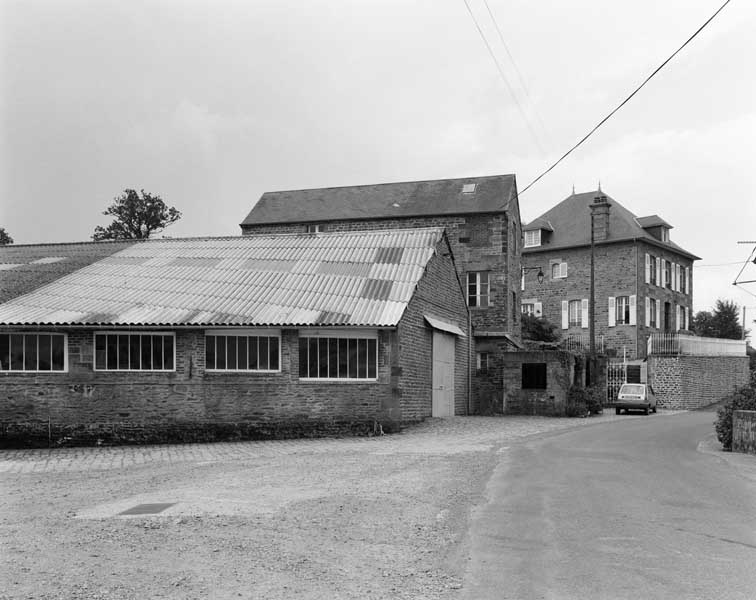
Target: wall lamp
540 272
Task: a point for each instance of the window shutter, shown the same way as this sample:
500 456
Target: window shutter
633 309
612 315
687 289
538 309
663 280
658 314
676 278
648 268
648 311
565 314
563 269
584 316
659 272
677 318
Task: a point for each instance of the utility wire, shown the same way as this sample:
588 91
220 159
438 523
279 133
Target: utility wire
745 264
517 70
504 78
626 100
727 264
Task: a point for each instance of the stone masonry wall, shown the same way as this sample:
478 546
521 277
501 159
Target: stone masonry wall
550 401
689 382
438 295
744 431
619 271
189 403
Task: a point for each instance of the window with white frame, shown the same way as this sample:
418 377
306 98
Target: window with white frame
317 228
532 238
478 288
575 313
652 310
258 351
33 352
338 356
528 308
135 351
558 270
622 314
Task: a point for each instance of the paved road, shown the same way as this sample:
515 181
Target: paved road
635 509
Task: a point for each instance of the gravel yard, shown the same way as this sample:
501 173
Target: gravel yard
330 518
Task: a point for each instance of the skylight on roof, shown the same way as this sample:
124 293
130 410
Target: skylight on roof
468 188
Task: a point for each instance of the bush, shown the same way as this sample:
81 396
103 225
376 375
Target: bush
577 402
742 399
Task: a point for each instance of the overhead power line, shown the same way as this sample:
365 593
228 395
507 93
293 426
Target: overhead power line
517 70
504 78
626 100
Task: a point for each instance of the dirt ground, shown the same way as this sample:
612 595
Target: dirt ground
369 518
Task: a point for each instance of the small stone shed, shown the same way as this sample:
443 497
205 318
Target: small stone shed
239 337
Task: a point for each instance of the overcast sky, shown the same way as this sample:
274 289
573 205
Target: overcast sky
209 104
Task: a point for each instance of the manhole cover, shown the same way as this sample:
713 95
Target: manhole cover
147 509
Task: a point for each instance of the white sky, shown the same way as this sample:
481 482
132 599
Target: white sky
210 104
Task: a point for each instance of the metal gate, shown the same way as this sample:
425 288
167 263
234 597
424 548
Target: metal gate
619 373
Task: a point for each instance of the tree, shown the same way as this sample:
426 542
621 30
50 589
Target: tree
4 237
136 217
538 329
722 322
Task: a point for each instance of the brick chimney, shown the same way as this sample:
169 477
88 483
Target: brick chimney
600 218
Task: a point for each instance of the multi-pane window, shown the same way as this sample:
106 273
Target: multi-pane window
622 308
32 352
134 351
683 279
652 304
668 274
238 351
482 361
478 288
528 308
559 270
652 270
336 357
575 314
317 228
682 324
532 238
534 376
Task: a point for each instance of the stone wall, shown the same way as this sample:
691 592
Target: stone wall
550 401
689 382
744 431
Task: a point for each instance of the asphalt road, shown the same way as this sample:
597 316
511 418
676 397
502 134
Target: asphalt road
629 509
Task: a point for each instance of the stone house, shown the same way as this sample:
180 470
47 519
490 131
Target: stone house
643 280
253 336
481 217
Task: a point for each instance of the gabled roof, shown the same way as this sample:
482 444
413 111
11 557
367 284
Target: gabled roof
571 222
385 200
355 278
653 221
24 268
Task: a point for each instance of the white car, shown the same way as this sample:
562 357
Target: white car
635 396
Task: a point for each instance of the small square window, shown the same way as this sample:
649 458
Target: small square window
534 376
468 188
314 228
532 238
483 361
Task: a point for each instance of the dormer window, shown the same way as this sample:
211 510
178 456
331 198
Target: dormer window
314 228
532 238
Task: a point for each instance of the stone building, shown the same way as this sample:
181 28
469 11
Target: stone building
253 336
481 217
643 280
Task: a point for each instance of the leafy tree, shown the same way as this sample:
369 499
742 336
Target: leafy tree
722 322
538 329
136 217
4 237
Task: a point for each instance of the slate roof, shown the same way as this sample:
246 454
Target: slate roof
571 222
355 279
386 200
25 267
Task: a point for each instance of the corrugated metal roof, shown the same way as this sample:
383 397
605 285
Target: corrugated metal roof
345 278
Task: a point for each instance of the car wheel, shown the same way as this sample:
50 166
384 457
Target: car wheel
645 410
617 411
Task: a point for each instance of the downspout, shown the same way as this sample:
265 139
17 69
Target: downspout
469 360
637 303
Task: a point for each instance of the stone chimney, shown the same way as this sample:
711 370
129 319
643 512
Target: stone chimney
600 218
